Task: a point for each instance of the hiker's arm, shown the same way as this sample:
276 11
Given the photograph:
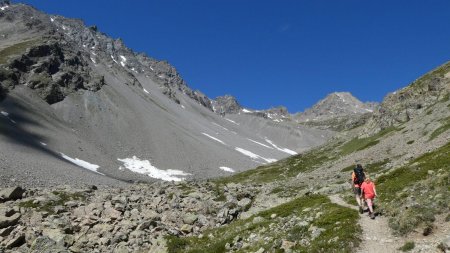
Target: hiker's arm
375 190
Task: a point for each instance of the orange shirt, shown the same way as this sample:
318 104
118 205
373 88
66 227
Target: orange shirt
368 189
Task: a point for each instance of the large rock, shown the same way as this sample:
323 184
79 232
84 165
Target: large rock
45 244
8 219
12 193
190 218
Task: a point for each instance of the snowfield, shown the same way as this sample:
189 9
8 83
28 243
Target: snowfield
145 167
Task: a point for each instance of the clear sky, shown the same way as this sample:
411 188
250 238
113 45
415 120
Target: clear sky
279 52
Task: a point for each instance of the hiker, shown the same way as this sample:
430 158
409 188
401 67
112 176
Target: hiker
358 177
368 192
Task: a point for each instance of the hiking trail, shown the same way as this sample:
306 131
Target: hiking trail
376 234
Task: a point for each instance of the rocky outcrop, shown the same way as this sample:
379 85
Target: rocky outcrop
407 103
226 105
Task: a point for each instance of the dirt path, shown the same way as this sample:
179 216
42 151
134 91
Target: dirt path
376 236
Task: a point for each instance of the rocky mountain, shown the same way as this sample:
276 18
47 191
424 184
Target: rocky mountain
84 108
78 131
338 110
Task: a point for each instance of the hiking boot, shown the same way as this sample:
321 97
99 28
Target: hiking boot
361 210
372 216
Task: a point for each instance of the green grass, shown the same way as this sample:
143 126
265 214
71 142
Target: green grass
283 169
408 246
443 128
337 222
405 192
369 168
62 198
15 50
363 143
439 72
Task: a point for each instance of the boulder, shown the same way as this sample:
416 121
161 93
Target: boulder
6 219
12 193
190 218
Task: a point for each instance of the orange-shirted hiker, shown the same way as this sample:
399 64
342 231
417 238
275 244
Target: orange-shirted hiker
357 179
369 192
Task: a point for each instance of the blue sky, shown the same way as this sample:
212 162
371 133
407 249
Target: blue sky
285 52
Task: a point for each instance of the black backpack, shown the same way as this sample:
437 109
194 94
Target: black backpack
359 175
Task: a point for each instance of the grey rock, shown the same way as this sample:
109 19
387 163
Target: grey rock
190 218
12 193
7 220
186 228
16 241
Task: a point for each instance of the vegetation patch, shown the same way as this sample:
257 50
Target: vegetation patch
443 128
283 169
312 223
15 50
408 246
405 192
48 206
364 143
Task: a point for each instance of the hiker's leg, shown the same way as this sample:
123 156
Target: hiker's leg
357 192
369 203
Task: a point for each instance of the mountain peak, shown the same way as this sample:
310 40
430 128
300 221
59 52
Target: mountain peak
226 104
336 104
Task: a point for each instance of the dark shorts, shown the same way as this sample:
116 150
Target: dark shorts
357 190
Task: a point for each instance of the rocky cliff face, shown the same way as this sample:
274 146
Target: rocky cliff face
405 104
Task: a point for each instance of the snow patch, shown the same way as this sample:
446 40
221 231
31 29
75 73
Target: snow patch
146 91
93 60
226 169
4 7
259 143
253 155
182 106
43 144
234 122
214 138
4 113
145 167
52 19
224 128
83 164
246 111
285 150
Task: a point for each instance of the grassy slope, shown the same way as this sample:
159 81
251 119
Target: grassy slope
339 224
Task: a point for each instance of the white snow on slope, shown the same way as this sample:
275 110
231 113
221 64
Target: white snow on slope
4 7
83 164
52 19
214 138
146 91
4 113
93 60
182 106
145 167
254 156
285 150
226 169
234 122
122 62
43 144
224 128
259 143
246 111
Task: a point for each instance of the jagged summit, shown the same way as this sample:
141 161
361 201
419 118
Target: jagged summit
334 105
226 104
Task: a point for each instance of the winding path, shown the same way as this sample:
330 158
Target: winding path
376 236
